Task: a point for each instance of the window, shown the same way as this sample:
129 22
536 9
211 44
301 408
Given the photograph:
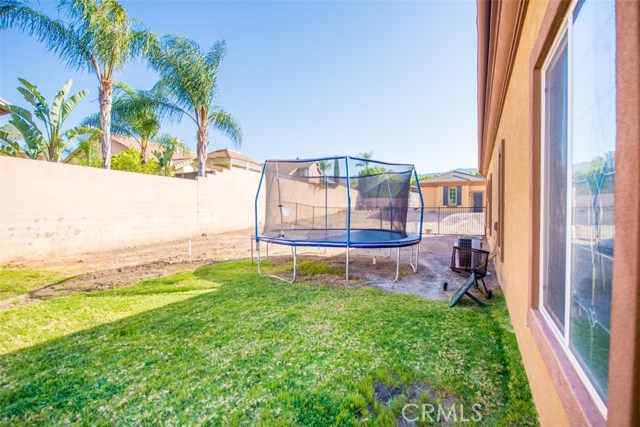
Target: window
453 198
577 183
489 217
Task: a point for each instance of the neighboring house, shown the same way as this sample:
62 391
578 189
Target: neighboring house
121 143
184 164
217 161
301 169
559 143
228 159
453 189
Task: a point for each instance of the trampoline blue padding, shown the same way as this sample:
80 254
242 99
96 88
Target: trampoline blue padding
337 238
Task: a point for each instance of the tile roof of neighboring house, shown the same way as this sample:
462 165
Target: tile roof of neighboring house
452 176
3 110
226 153
291 167
128 142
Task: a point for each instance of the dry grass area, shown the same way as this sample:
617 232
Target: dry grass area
123 267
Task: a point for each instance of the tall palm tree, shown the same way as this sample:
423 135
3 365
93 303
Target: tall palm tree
324 166
188 86
98 37
47 139
366 156
133 114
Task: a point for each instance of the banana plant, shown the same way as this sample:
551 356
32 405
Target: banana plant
47 140
165 167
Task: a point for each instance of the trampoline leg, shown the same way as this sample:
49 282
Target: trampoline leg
417 251
295 265
397 266
347 267
258 255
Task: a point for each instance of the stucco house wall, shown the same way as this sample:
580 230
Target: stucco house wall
433 197
513 271
512 37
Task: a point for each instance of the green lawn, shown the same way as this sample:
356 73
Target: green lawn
223 346
14 282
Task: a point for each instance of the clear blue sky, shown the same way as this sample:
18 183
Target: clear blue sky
309 78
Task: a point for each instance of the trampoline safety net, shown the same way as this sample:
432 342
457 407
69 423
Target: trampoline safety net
335 199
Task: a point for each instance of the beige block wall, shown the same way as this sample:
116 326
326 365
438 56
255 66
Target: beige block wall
50 210
513 273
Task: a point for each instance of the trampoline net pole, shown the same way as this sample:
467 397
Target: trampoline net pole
326 202
390 204
279 198
348 212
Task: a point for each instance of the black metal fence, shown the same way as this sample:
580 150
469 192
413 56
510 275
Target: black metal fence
449 220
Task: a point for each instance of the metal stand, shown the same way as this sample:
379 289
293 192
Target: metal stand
252 239
295 262
417 251
294 252
395 279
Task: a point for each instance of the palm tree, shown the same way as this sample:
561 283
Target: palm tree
324 166
133 114
99 37
48 140
366 156
187 87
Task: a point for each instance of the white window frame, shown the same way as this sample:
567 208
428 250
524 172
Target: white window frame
563 338
455 196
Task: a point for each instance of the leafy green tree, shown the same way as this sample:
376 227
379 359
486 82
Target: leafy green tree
187 87
596 176
133 114
130 160
169 141
422 178
48 139
375 170
98 37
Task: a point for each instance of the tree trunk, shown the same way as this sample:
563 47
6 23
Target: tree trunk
143 151
106 92
203 135
53 145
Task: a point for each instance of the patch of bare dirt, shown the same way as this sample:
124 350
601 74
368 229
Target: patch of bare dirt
416 394
126 266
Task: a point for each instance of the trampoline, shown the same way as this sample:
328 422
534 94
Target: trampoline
339 202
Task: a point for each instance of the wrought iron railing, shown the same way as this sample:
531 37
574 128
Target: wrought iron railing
450 220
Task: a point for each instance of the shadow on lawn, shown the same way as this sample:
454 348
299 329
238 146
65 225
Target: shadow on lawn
260 352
